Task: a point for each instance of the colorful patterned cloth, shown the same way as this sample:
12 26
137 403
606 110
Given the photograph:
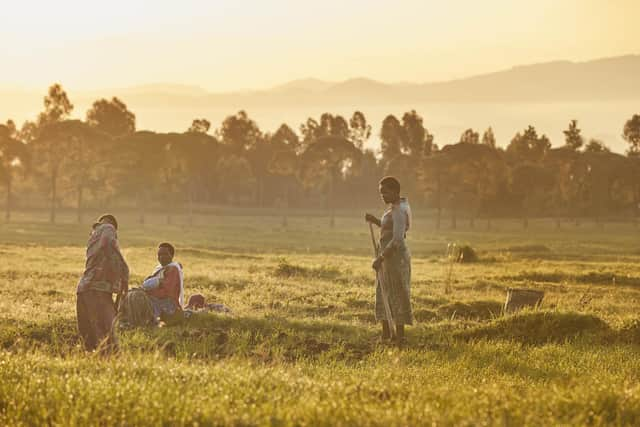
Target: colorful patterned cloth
105 267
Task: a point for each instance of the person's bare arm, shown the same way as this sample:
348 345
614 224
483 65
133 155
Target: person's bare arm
372 219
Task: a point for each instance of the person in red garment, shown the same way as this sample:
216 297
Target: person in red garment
165 286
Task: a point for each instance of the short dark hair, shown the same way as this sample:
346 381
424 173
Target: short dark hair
110 218
391 182
169 247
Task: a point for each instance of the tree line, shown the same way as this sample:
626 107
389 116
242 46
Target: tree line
104 161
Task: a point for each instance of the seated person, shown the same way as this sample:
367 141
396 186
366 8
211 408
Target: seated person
165 286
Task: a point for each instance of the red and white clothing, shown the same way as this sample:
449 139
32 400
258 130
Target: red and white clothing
166 282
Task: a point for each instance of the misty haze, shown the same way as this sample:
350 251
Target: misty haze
336 213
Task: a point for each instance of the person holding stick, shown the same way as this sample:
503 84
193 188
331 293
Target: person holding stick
393 261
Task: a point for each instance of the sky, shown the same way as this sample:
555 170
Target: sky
223 45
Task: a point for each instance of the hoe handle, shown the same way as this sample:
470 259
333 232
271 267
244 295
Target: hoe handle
380 281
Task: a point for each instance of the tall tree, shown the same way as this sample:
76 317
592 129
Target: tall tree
488 138
528 146
200 126
239 132
143 159
50 141
285 138
325 162
417 141
360 130
391 136
111 117
631 134
14 157
284 163
194 151
530 183
57 106
572 136
470 136
236 178
596 146
89 152
258 156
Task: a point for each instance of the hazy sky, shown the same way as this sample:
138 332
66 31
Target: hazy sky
227 45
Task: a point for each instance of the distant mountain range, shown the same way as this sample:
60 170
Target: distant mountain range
559 81
600 93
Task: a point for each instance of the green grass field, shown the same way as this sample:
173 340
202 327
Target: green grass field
302 348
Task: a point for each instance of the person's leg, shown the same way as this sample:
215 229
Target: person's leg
105 314
86 322
386 333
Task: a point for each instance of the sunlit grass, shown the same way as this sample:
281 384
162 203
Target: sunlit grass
301 346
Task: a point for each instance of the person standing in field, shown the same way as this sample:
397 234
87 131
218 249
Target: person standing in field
394 258
106 273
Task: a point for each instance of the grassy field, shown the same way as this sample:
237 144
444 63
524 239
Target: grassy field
302 348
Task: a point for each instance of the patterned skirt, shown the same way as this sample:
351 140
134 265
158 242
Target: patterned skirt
396 277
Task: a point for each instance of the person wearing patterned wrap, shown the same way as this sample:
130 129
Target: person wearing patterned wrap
394 258
106 273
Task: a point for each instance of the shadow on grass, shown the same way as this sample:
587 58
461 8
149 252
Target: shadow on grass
541 327
592 277
55 334
473 310
210 336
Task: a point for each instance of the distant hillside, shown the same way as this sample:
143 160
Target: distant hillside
601 94
561 81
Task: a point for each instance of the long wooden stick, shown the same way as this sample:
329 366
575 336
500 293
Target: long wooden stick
380 281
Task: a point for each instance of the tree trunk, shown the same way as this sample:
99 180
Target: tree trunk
454 219
332 219
285 210
191 207
140 207
261 193
488 223
80 191
525 222
54 197
7 215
